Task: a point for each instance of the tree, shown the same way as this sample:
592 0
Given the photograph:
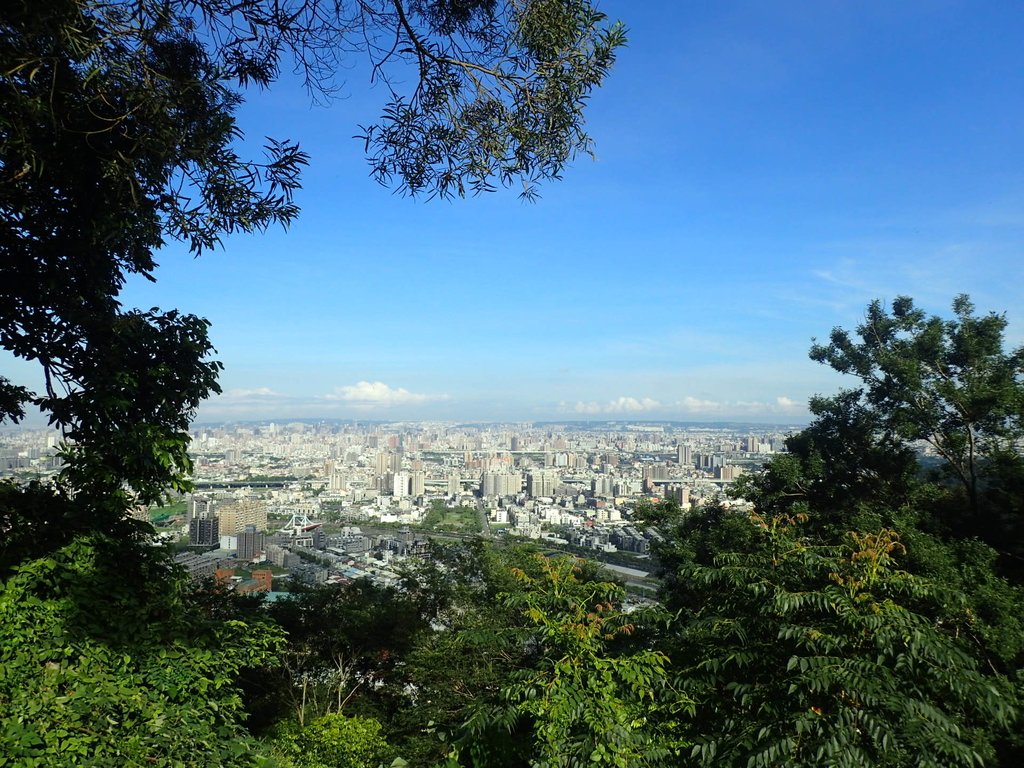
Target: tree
588 697
844 469
949 383
115 665
117 134
845 473
344 643
800 651
477 643
854 617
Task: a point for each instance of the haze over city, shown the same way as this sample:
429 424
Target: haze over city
762 172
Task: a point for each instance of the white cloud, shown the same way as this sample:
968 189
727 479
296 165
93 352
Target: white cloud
787 404
696 405
245 394
377 394
619 405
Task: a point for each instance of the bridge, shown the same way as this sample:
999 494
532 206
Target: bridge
237 484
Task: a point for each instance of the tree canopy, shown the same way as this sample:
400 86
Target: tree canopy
103 665
949 383
882 552
799 647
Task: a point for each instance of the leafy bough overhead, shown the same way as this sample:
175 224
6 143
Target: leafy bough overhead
500 94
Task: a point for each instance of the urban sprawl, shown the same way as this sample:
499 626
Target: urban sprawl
330 502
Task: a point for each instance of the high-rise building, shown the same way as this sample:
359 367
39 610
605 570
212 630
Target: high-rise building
338 482
383 463
279 556
542 482
399 483
728 472
199 507
680 494
500 483
454 484
602 486
250 543
417 483
657 471
709 460
203 531
234 516
626 487
684 456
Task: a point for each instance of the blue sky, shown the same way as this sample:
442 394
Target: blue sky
763 171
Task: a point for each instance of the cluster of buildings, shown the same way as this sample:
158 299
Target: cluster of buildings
288 496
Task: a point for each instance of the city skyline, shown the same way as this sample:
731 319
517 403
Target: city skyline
762 173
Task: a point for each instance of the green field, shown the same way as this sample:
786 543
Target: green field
161 514
440 518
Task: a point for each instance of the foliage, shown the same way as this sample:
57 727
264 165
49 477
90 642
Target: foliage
440 517
104 662
798 652
130 402
95 123
471 648
586 699
343 645
117 135
843 466
949 383
334 741
968 569
37 519
836 493
451 647
501 91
